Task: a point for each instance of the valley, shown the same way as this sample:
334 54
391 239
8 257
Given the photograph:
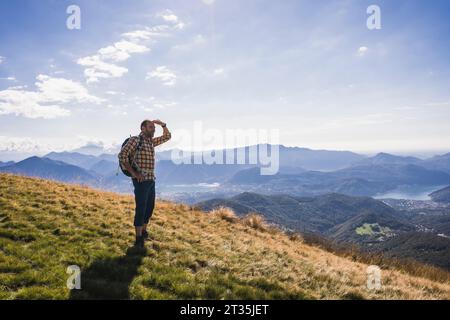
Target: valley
371 202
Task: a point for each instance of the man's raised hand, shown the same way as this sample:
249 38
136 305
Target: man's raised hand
157 121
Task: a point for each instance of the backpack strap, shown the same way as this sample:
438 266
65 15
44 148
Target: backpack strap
138 148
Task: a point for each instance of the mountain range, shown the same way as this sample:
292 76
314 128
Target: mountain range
51 169
302 172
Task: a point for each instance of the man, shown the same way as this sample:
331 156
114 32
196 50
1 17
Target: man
143 175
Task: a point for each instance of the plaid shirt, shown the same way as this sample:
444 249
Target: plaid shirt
145 158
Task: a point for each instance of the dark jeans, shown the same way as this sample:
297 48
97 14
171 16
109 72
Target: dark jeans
144 196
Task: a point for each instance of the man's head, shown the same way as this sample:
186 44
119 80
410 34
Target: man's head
148 128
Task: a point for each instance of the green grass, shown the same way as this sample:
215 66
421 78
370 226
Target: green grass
370 229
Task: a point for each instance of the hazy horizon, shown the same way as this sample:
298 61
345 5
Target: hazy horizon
18 156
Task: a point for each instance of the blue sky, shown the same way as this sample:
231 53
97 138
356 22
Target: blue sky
311 69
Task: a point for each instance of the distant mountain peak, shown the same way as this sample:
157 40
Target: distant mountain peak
384 155
50 169
384 158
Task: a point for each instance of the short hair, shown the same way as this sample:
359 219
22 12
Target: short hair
144 123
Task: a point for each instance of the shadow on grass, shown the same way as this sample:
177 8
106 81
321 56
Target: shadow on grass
109 278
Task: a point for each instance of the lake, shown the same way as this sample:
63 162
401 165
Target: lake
411 192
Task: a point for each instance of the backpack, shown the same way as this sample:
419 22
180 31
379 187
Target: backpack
131 159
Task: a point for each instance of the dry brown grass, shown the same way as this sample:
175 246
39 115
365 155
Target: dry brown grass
224 213
411 267
255 221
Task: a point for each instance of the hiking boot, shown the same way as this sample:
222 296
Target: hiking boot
145 234
139 242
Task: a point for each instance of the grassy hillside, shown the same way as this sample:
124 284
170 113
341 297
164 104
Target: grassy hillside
46 226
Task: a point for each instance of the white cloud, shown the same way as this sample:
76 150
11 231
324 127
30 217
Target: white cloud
41 146
120 51
99 145
63 90
45 101
168 16
218 71
103 63
115 93
9 78
97 68
164 74
147 33
17 87
362 51
2 59
22 144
